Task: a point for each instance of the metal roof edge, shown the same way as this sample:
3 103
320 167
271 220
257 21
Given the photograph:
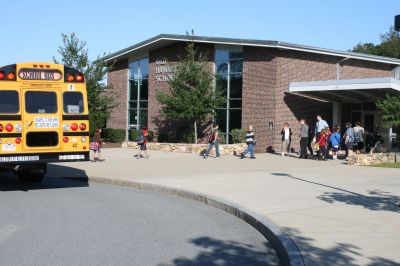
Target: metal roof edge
256 43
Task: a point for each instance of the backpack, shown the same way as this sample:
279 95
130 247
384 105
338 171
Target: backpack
350 134
357 136
211 135
141 138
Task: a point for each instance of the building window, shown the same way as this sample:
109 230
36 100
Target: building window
138 93
229 80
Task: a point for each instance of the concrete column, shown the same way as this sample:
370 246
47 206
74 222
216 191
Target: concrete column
336 113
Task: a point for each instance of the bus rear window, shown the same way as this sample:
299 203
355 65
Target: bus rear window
41 102
9 102
73 102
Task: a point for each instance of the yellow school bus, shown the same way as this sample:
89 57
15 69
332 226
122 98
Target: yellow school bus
43 118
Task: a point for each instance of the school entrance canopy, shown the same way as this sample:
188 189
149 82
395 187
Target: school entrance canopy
347 91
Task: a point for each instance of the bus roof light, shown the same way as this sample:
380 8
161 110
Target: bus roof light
48 66
2 75
70 77
35 65
42 66
10 75
79 78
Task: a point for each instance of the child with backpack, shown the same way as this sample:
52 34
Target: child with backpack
142 143
213 141
334 139
323 145
349 140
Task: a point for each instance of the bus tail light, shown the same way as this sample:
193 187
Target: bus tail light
74 127
82 126
2 75
83 139
65 139
18 140
9 127
1 127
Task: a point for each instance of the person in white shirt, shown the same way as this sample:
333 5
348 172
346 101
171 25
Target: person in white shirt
286 133
320 125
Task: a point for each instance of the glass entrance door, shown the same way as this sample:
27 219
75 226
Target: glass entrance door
369 122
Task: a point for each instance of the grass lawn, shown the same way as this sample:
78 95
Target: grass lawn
388 165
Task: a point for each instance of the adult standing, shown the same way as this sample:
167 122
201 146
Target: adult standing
286 133
303 139
349 140
319 126
250 141
359 134
213 141
310 140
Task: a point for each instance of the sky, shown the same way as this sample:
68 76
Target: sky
31 30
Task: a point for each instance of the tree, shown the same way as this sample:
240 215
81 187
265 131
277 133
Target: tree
101 102
389 46
390 110
191 96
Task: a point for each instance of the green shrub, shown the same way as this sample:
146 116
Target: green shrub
134 134
115 135
238 135
162 137
221 137
184 134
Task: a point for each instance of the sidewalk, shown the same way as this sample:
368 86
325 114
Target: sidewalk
336 214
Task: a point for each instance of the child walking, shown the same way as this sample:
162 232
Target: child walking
142 143
322 142
95 146
250 141
335 142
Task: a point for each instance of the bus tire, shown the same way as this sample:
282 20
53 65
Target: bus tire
26 177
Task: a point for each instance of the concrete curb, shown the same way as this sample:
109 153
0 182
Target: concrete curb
287 251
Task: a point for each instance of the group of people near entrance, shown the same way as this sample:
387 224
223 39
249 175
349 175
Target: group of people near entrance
319 141
325 139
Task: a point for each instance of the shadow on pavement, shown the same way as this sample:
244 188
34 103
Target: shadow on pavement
341 254
376 200
220 252
58 176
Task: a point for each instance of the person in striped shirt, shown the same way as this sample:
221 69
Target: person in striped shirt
250 141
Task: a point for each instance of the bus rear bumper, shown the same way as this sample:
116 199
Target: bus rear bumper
34 158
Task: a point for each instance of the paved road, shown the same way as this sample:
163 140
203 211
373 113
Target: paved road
65 222
336 214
